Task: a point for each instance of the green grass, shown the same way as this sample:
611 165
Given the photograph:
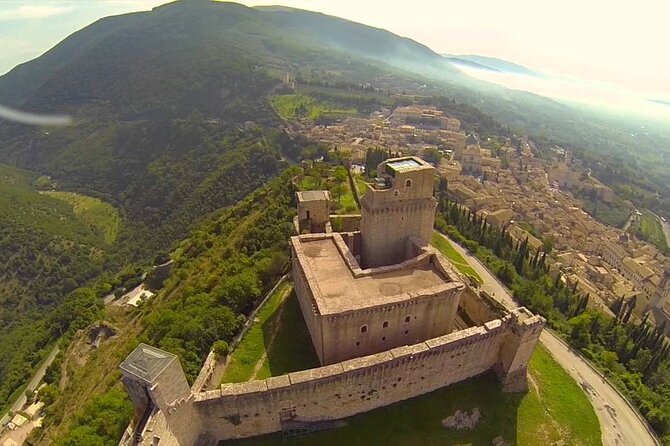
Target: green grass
450 253
291 106
292 348
346 204
290 351
360 183
555 409
652 231
102 218
320 178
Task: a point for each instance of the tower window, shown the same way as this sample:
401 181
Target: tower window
396 193
408 183
385 324
407 319
383 338
364 329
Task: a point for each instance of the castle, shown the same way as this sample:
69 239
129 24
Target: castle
389 317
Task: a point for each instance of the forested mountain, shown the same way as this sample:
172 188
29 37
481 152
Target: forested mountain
222 59
47 251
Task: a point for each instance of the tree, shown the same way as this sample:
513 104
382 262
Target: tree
340 176
220 348
432 155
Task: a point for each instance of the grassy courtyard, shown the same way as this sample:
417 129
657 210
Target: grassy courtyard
554 409
277 343
454 257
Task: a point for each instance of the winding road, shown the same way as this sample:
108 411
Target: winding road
32 385
620 423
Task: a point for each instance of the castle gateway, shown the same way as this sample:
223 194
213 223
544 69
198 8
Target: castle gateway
389 317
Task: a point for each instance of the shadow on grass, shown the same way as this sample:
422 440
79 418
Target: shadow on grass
292 349
418 421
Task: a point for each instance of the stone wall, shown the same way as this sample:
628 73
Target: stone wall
362 384
343 389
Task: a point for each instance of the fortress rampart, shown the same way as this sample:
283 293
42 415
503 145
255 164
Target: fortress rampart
350 387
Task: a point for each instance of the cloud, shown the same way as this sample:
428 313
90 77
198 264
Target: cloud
32 12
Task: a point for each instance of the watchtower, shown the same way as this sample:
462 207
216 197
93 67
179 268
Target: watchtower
155 382
314 209
399 205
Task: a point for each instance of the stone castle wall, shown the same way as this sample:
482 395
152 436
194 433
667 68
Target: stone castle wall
362 384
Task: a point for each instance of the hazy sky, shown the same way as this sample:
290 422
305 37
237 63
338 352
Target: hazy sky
624 43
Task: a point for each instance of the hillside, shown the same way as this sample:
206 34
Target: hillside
47 252
232 258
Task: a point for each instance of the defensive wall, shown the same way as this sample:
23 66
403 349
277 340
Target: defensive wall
339 390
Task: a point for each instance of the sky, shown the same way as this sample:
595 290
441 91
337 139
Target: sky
622 43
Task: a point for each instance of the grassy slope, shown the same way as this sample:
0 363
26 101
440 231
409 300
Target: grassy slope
555 409
289 351
289 106
652 230
26 207
46 250
454 257
102 218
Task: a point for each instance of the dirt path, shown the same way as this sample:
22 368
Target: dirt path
619 422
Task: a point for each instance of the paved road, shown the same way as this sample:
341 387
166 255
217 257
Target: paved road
619 422
32 385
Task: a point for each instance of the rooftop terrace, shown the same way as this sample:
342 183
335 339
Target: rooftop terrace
339 284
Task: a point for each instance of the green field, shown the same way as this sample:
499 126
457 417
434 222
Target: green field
554 409
276 344
454 257
102 218
651 230
292 106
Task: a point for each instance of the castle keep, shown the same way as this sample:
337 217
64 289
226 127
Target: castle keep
388 315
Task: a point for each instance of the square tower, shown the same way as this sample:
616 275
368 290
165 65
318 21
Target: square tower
400 205
314 209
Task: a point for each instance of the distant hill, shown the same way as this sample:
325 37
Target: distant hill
206 43
158 96
491 64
